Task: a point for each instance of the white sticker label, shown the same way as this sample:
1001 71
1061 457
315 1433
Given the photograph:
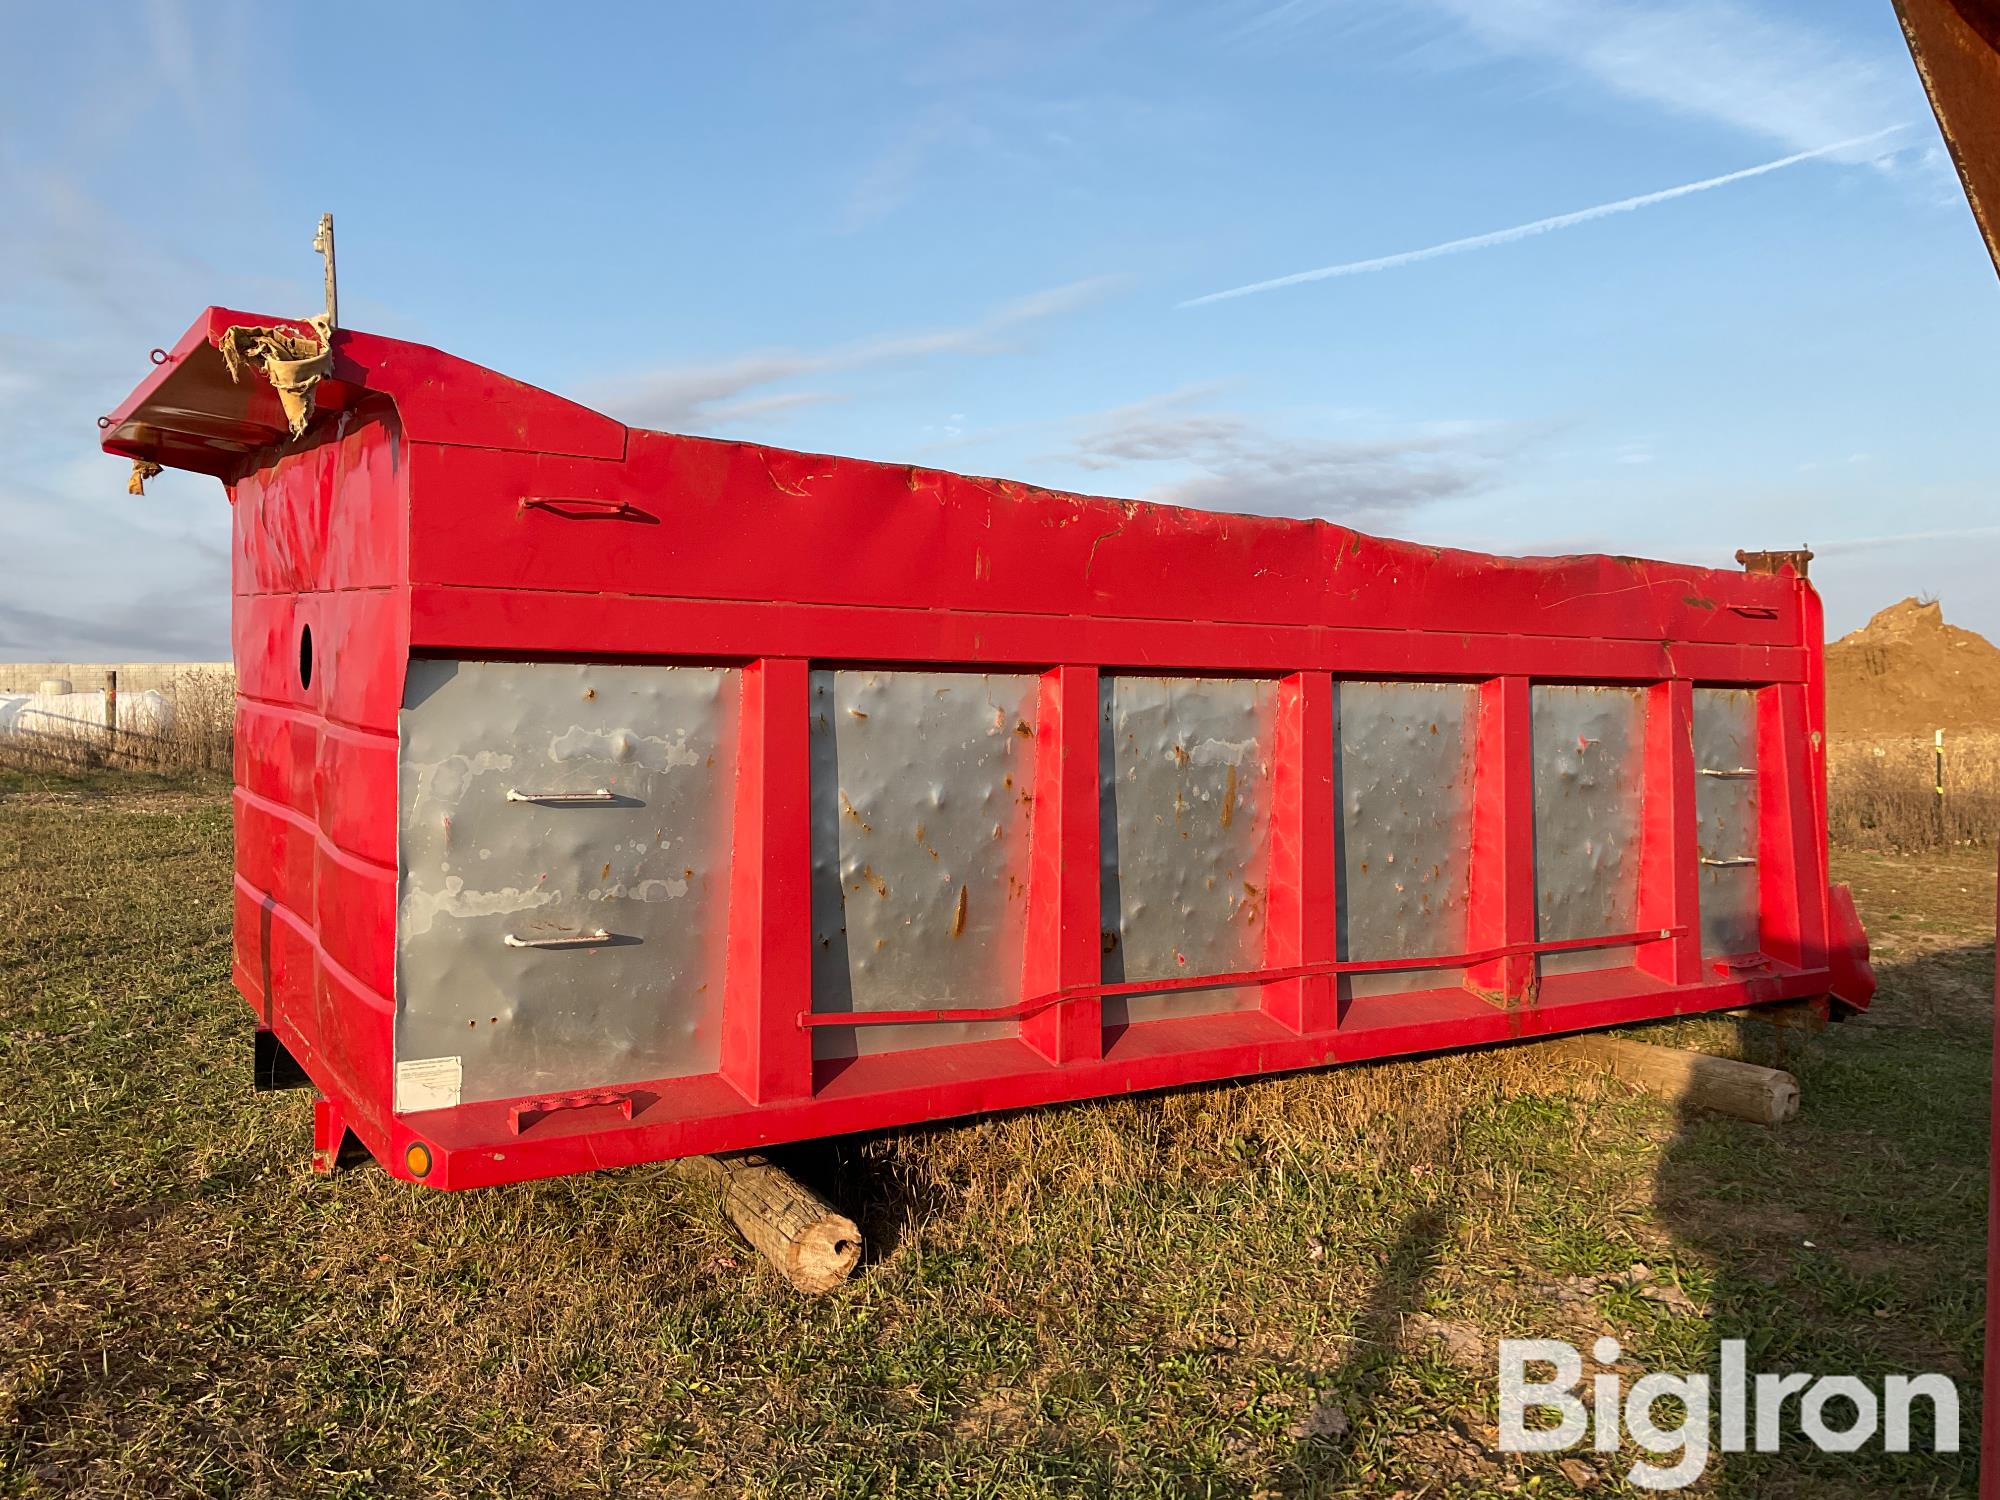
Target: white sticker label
428 1083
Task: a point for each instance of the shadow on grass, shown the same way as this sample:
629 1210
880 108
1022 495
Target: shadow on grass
1422 1241
104 784
1850 1241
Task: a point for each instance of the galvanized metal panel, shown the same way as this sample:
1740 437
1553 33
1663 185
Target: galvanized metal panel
1725 802
1403 835
1184 765
922 789
1590 775
489 851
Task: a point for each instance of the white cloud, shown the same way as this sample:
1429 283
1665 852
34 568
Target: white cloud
687 396
983 97
749 408
1716 60
91 571
1904 538
95 572
888 180
1228 462
1727 62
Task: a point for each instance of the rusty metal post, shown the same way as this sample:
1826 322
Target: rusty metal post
1937 783
323 243
111 713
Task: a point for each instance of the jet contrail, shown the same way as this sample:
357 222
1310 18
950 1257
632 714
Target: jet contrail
1540 226
1951 534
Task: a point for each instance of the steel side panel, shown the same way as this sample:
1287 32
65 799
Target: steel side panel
1590 771
1725 799
493 865
922 797
1403 788
1184 836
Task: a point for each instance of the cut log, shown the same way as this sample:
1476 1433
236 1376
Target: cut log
812 1244
1765 1095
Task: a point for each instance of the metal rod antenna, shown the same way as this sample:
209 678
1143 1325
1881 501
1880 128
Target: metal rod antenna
323 242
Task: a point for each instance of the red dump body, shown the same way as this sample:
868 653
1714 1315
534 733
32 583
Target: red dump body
604 795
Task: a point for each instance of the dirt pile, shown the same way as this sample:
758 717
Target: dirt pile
1906 673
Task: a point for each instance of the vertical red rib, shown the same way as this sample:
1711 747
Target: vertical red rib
1063 879
1501 905
1793 910
1301 908
1817 872
766 1054
1669 863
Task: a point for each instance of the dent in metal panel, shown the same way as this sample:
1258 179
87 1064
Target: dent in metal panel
542 804
1590 770
1184 767
1725 804
922 792
1403 831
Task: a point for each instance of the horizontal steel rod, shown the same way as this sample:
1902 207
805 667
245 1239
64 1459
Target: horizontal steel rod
566 940
1063 996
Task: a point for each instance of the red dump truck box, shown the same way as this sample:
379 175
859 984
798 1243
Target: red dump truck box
605 795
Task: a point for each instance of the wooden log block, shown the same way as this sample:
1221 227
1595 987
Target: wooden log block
1765 1095
812 1244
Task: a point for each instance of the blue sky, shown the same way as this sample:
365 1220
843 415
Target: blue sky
964 235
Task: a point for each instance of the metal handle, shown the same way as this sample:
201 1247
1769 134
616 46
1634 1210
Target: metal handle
602 794
1739 773
579 508
524 1114
567 940
1740 859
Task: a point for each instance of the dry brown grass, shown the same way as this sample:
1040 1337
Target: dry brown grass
1288 1286
204 721
198 741
1883 793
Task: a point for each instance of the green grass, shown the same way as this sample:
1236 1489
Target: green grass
1168 1295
